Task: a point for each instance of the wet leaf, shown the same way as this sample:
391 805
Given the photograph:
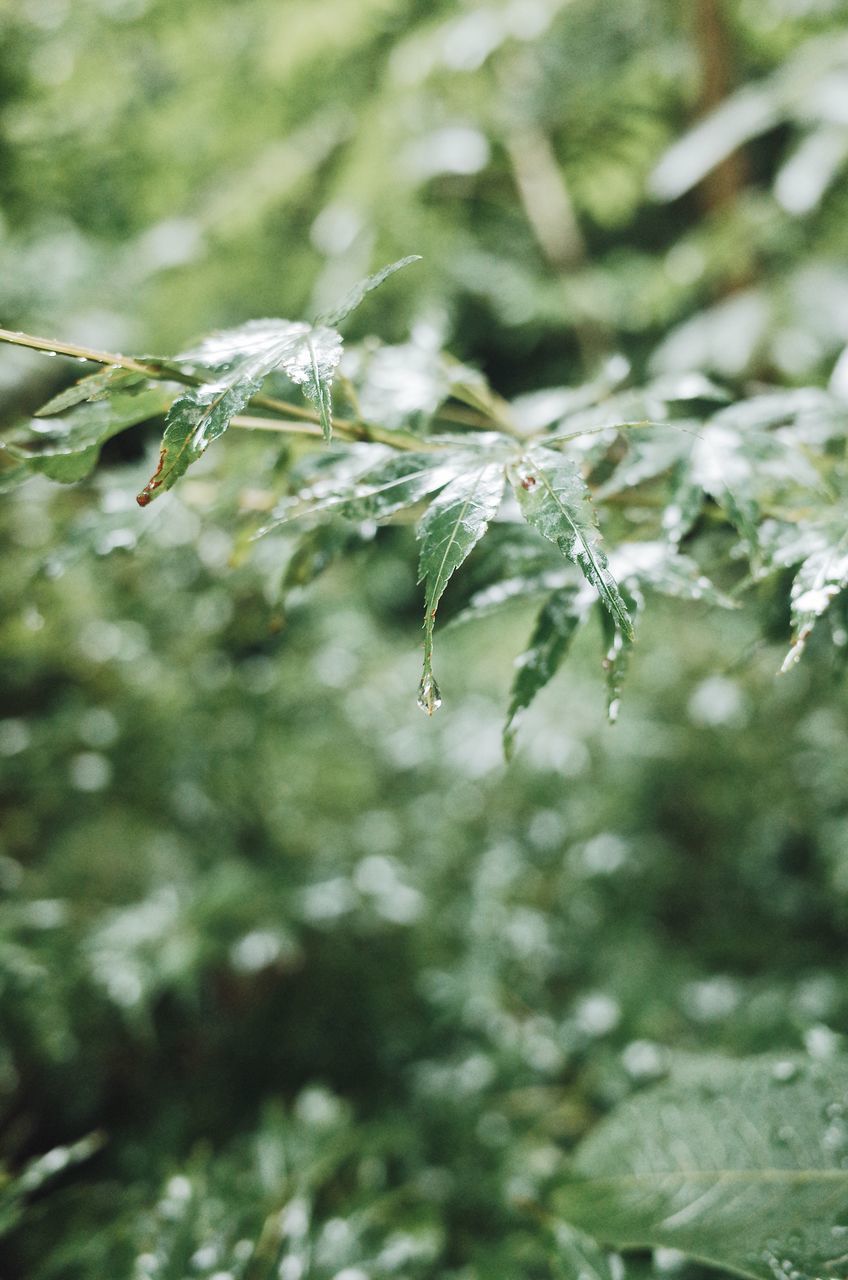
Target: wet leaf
242 358
95 387
556 626
359 291
740 1164
452 526
67 448
554 499
821 577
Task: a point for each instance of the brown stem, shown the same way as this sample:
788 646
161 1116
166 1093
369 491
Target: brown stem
714 45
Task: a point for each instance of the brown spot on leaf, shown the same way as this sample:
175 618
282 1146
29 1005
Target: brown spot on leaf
148 492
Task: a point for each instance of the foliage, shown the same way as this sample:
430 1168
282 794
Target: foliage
295 983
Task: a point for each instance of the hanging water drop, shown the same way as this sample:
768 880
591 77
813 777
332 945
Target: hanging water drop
429 697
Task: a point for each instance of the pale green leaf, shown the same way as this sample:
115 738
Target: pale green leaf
554 499
94 387
399 482
67 448
580 1258
451 527
741 1164
359 291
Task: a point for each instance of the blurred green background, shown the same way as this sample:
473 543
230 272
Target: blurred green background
330 990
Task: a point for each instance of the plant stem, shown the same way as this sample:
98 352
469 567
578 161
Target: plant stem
164 371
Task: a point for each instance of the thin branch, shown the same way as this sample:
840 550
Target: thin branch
164 371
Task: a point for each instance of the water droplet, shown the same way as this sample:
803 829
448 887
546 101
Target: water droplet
429 697
784 1070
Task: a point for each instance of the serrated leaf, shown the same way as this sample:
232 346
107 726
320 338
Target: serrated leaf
553 497
649 453
451 527
556 626
94 387
500 595
739 1164
822 576
67 448
658 567
616 659
400 482
359 291
745 470
242 358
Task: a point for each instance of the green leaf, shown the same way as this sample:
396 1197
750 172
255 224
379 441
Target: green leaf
94 387
822 576
399 482
67 448
352 299
580 1258
617 649
740 1164
242 358
556 626
658 567
554 499
451 527
316 551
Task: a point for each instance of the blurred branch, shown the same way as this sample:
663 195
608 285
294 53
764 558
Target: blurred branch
545 197
714 45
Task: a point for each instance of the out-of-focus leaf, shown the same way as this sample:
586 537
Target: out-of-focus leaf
451 527
315 552
363 287
649 452
398 386
95 387
38 1171
399 482
553 498
655 566
820 552
580 1258
556 626
242 358
746 114
67 448
740 1164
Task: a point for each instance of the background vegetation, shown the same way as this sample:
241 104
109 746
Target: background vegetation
294 982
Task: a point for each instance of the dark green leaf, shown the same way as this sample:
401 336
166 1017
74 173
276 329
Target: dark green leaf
741 1164
554 499
452 526
556 626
